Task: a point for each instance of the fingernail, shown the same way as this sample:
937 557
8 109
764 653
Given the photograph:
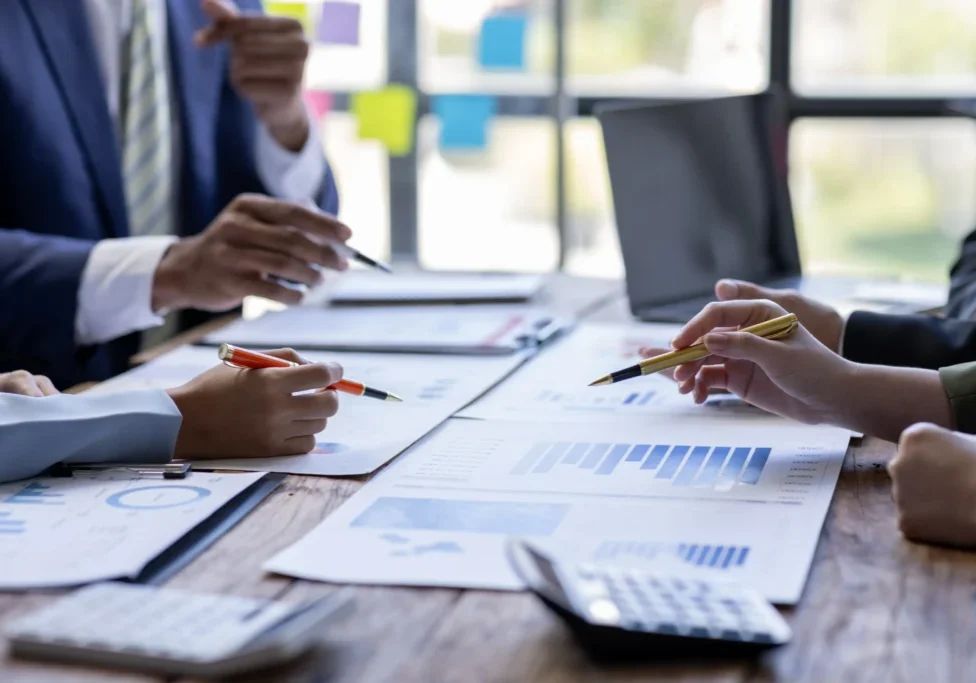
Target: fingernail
716 342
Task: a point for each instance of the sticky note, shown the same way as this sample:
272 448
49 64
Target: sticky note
339 23
319 102
387 115
292 10
464 120
501 43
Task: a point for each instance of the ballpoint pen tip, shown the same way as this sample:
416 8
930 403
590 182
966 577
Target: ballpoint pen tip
606 379
394 398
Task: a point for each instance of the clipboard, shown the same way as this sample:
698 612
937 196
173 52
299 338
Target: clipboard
461 330
180 554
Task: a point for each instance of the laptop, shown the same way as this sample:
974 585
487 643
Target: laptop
700 193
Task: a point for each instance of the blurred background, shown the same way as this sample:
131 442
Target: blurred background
883 180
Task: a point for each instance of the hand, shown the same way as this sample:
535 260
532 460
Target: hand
254 238
821 320
796 377
267 63
934 485
230 413
25 384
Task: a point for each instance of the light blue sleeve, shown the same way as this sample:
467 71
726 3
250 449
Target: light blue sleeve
36 433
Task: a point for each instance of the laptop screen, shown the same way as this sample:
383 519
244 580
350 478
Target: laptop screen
698 195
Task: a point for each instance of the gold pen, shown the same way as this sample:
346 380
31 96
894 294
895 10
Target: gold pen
777 328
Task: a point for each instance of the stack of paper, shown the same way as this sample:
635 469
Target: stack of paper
724 497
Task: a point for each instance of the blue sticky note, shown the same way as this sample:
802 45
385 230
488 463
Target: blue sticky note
501 44
464 120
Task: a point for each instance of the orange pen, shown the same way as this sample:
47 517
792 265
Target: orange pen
237 357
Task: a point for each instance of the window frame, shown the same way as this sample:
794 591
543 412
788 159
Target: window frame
561 106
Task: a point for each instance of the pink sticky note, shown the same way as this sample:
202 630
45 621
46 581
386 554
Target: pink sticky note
319 101
339 23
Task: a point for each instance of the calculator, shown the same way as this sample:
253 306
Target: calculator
622 614
162 630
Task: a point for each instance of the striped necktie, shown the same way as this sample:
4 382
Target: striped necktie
147 139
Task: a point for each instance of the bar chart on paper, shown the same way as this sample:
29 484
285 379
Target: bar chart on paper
739 466
704 555
718 467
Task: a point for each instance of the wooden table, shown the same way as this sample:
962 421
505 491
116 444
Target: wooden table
876 608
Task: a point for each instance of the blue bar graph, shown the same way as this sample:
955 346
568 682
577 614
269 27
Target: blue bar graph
655 458
690 469
595 401
709 474
551 457
755 467
670 466
720 467
736 462
714 556
575 455
610 463
630 399
35 493
593 458
638 452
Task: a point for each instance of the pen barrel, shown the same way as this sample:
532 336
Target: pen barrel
347 386
777 328
253 360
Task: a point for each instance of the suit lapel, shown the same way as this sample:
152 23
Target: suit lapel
65 35
197 80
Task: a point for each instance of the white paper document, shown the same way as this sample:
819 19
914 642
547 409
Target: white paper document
66 531
366 433
367 286
495 329
553 386
719 496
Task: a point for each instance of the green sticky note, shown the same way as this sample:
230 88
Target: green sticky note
387 115
293 10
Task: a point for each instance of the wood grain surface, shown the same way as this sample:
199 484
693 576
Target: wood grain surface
876 608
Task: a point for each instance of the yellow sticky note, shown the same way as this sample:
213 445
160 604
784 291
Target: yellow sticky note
387 115
293 9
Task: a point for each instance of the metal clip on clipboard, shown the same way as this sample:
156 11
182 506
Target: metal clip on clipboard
543 330
172 470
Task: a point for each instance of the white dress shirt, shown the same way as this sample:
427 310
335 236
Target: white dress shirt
116 286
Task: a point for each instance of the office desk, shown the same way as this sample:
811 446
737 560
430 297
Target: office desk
876 608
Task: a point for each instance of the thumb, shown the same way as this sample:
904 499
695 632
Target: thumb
746 346
730 290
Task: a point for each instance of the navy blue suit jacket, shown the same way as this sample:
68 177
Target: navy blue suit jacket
60 181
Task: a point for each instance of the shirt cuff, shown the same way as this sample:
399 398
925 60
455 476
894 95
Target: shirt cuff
295 176
115 295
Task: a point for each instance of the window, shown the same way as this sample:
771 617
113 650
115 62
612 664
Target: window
491 210
883 170
888 197
650 47
880 47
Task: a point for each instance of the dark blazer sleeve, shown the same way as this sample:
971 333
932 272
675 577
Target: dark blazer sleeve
909 340
39 280
962 290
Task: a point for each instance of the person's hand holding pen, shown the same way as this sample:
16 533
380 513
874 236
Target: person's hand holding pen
795 376
800 378
233 413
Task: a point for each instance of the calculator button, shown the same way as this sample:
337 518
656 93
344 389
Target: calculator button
699 632
667 628
730 634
